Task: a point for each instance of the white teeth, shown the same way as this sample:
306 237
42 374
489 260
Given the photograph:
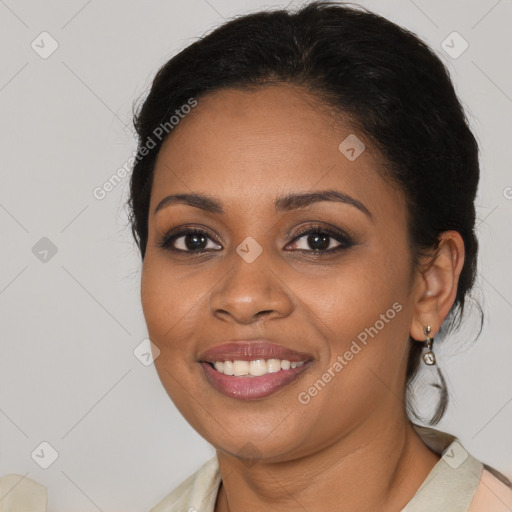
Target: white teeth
273 365
258 367
240 368
255 368
228 368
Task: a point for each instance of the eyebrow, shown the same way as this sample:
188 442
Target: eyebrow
282 203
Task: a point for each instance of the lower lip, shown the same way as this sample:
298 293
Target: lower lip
248 388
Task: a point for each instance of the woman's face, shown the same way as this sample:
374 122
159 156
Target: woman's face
339 300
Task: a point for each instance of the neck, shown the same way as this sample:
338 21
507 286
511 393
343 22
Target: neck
378 466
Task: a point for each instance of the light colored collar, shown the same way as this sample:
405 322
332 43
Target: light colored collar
452 483
450 486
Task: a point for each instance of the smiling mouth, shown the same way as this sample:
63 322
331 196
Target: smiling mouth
246 386
252 369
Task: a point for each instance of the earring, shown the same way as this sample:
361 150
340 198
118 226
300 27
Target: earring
429 357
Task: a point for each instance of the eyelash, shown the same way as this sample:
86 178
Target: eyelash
344 240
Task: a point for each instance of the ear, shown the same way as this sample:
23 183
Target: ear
436 285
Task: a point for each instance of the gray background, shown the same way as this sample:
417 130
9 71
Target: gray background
70 321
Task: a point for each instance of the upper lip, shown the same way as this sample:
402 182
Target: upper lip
250 350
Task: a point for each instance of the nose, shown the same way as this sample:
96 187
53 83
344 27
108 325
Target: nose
250 292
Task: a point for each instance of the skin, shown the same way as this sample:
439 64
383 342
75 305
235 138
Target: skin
351 448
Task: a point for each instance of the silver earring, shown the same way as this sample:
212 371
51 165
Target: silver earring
429 357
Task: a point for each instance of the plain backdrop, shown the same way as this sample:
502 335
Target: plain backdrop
69 276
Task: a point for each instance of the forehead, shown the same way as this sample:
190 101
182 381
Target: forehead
251 146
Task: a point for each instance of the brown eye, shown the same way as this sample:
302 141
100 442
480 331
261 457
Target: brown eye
320 239
189 240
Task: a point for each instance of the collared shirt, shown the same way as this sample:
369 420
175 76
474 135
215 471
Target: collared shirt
457 483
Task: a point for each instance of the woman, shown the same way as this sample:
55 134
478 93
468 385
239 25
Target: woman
303 199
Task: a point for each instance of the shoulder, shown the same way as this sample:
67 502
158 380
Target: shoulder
18 492
198 491
493 494
459 482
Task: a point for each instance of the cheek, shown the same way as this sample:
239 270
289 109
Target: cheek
168 301
363 311
364 316
164 303
354 296
169 307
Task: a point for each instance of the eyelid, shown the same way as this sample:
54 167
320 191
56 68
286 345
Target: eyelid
321 228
